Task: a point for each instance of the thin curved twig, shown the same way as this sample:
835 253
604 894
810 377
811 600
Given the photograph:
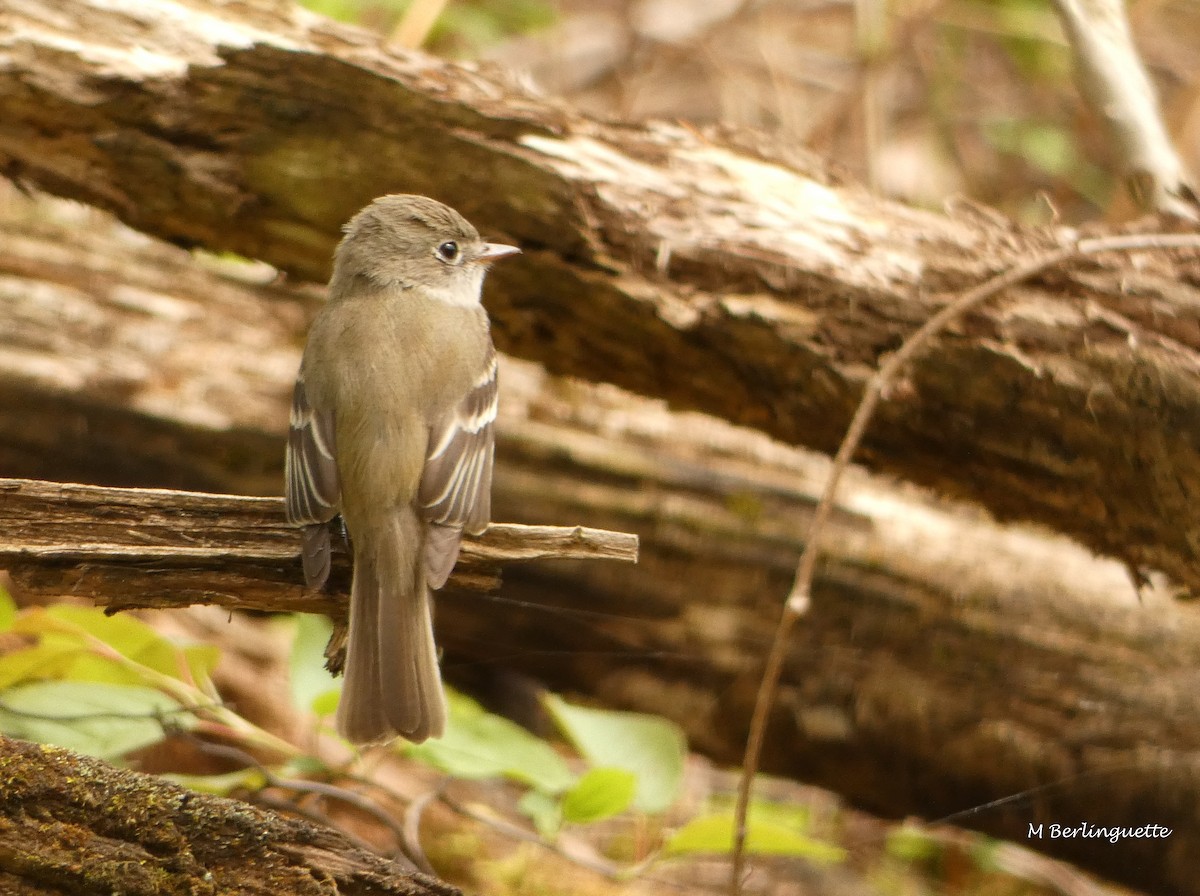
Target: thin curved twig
799 598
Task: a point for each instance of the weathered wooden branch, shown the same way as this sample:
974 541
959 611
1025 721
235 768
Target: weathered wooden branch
699 267
1113 79
70 824
158 548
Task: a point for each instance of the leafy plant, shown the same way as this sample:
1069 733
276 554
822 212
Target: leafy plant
632 760
313 688
770 830
94 717
478 744
650 748
107 685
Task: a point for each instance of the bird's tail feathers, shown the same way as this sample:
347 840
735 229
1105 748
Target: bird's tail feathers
393 684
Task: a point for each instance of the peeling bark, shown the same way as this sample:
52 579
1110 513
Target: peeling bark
156 548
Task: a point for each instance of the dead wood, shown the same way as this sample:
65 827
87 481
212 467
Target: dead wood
1114 80
73 825
700 267
945 664
157 548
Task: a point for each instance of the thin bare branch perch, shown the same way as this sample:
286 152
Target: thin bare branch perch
799 599
158 548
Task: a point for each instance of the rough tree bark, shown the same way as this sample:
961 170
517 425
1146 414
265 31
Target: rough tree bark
945 664
700 267
159 548
71 825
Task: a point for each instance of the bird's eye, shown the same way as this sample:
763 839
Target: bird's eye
448 251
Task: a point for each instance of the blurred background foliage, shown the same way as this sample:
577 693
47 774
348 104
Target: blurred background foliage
923 100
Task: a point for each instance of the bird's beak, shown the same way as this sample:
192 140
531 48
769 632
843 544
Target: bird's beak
493 251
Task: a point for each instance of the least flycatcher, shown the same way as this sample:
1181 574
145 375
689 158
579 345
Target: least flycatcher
391 427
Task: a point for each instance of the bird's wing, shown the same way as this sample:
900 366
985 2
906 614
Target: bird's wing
456 485
313 491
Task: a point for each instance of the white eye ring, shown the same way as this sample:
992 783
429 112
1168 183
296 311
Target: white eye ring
448 251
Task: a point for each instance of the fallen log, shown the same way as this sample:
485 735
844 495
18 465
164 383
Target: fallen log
71 824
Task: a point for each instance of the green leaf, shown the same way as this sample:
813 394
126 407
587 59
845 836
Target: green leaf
911 844
250 778
601 793
8 610
544 810
795 816
313 688
97 718
352 10
1046 146
87 666
38 662
201 660
714 834
478 744
306 766
126 635
326 704
986 853
650 747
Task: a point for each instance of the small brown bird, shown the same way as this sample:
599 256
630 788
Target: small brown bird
392 428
